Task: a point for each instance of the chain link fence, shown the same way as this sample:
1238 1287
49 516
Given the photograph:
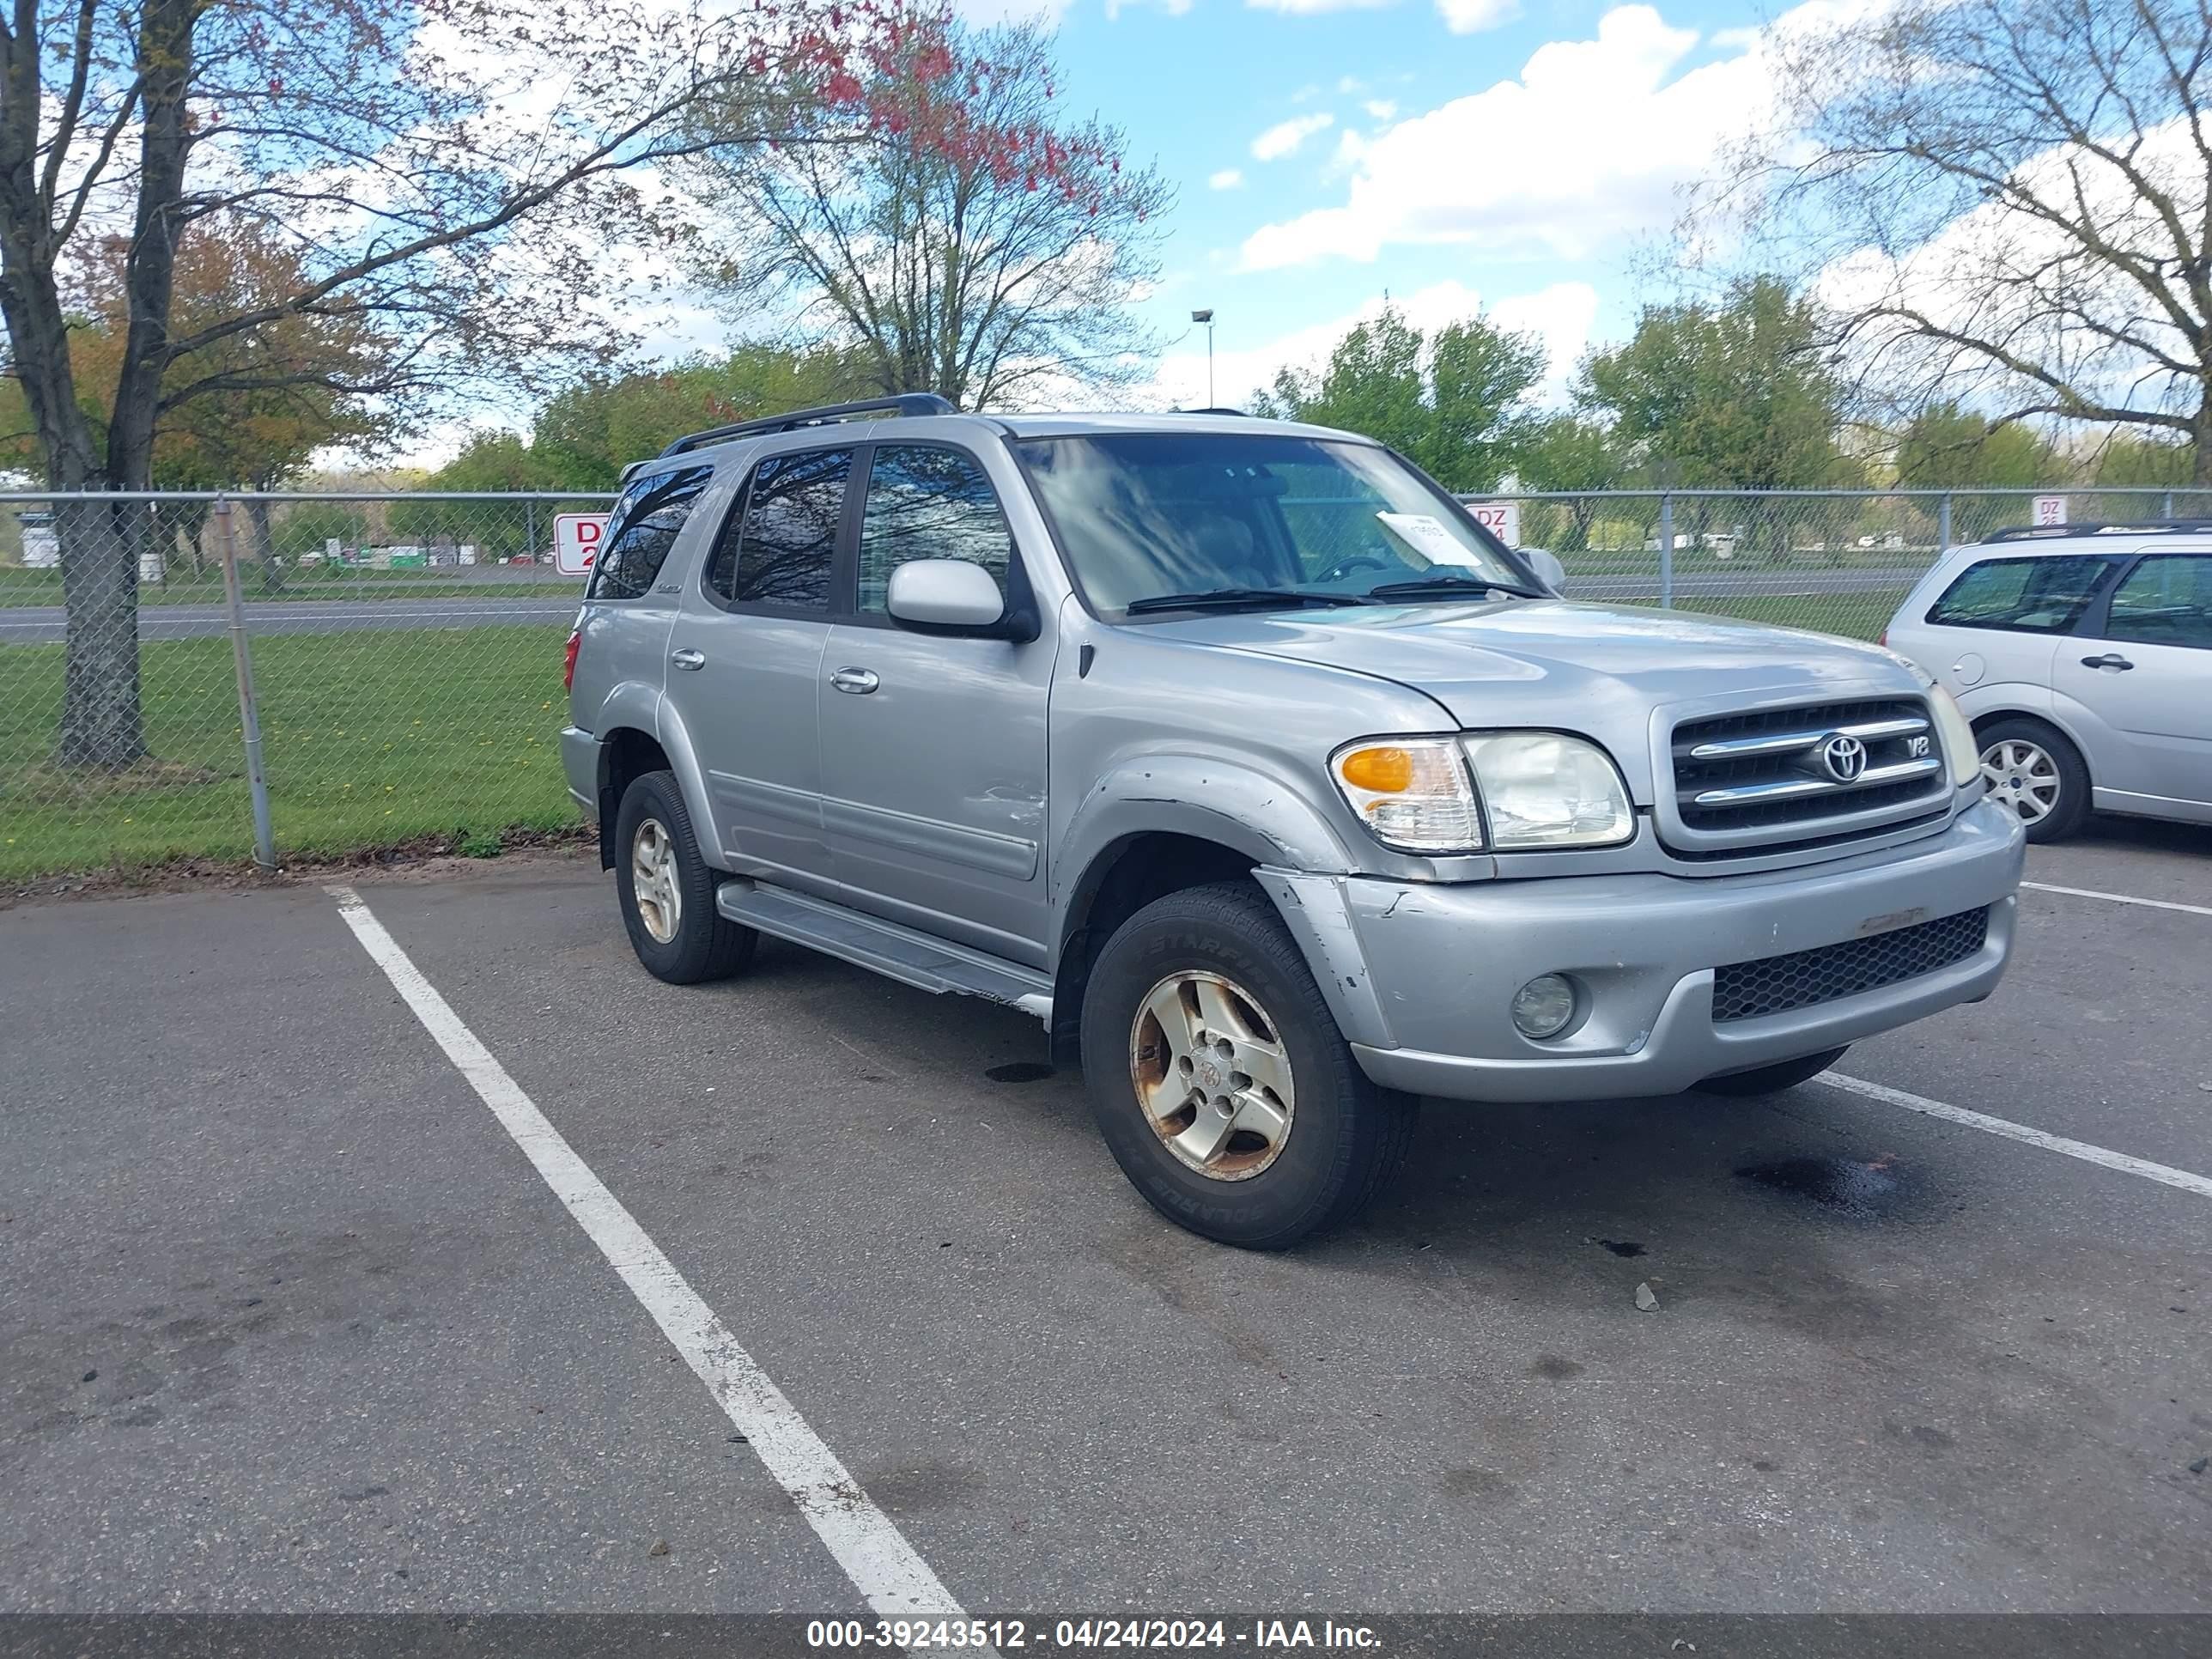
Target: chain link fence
406 649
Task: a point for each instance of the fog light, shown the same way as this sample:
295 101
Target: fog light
1542 1007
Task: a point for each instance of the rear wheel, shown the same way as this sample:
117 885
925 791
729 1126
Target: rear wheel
1772 1079
1220 1081
2036 774
668 888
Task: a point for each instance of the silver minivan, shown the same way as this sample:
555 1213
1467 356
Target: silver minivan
2082 654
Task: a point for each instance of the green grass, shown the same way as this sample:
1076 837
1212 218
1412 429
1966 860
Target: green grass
370 740
1854 615
21 589
377 738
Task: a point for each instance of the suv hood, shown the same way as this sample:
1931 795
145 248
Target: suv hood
1596 670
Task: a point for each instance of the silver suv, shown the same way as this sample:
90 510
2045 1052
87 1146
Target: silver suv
1239 754
2083 655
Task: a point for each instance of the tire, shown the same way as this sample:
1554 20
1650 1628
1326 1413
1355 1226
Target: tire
1773 1079
654 830
1287 1168
2017 754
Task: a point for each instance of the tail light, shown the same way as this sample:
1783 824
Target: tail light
568 661
1884 641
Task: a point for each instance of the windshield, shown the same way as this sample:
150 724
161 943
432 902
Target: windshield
1146 517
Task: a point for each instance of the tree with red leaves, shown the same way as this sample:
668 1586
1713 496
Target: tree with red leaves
976 243
449 171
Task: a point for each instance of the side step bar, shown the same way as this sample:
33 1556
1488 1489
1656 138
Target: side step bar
900 953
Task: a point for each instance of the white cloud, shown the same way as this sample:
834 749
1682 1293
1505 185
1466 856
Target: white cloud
1586 147
1285 137
1313 8
1380 109
1562 314
1473 16
1227 179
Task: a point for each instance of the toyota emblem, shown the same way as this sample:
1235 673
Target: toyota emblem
1844 757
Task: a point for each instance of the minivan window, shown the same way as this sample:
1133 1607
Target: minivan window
2028 596
2165 600
641 529
1143 517
778 548
925 501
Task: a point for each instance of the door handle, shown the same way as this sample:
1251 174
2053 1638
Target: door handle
858 681
685 656
2110 660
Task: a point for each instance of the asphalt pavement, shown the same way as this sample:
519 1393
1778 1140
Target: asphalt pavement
291 1320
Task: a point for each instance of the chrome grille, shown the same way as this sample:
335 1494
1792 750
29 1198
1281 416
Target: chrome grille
1774 985
1750 781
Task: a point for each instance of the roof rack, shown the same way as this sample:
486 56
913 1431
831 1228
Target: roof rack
2033 533
1246 412
909 404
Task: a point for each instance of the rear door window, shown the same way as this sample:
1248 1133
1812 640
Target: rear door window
779 549
2165 600
642 528
2026 596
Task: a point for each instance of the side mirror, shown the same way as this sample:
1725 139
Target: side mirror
1548 567
951 594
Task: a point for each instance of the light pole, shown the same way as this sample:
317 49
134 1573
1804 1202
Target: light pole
1206 317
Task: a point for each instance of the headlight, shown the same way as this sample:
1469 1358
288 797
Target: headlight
1961 747
1412 793
1546 789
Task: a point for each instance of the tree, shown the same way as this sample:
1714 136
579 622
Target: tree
406 151
2132 463
2008 200
1948 448
586 435
1457 405
997 265
1567 453
1735 395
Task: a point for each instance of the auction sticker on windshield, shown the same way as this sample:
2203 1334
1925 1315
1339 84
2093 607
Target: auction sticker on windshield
1427 539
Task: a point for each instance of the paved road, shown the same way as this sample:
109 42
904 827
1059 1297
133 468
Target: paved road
46 623
40 624
288 1321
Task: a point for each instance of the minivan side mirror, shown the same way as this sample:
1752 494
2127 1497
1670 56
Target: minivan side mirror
947 594
1548 569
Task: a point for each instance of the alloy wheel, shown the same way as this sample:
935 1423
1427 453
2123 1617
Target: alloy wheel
1213 1074
653 876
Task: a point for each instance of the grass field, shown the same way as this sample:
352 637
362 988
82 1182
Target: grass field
370 739
373 739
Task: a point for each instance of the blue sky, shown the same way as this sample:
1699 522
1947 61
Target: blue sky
1519 161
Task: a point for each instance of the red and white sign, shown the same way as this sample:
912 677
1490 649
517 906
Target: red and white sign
2050 509
576 542
1501 519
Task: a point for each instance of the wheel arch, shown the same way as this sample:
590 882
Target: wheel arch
1121 878
625 754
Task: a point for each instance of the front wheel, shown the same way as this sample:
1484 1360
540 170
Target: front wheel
1220 1081
2034 772
1773 1079
668 888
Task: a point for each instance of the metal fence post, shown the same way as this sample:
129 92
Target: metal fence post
530 530
1943 525
265 845
2169 505
1667 550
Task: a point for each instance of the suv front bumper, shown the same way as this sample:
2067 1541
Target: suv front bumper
1422 977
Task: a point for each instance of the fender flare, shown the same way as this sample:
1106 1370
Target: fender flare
635 706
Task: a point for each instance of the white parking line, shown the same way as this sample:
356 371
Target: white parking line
2121 898
875 1555
2123 1162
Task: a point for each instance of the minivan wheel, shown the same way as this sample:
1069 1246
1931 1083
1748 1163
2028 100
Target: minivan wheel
1220 1081
2035 773
668 888
1772 1079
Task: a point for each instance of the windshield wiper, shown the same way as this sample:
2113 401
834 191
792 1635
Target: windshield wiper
1448 587
1218 598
